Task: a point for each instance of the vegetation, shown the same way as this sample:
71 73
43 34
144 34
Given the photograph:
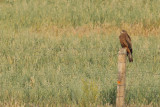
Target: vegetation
60 53
141 15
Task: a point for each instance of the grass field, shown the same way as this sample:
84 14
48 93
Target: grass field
141 16
64 53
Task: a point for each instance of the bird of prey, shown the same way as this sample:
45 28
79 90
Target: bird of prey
125 41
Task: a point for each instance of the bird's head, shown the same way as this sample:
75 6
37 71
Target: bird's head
123 31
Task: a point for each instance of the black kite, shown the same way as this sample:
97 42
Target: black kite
125 41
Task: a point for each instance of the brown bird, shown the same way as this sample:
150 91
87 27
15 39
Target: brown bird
125 41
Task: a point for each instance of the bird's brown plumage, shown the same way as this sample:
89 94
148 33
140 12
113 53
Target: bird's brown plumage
125 41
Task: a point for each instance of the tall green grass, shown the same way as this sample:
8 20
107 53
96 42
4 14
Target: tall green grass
80 69
39 70
29 13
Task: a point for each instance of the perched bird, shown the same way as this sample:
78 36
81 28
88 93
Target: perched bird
125 41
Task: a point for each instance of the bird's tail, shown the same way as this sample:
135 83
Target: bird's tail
130 57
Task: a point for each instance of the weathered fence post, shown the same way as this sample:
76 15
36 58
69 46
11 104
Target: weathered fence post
121 83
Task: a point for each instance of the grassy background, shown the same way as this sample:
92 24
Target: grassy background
140 16
60 53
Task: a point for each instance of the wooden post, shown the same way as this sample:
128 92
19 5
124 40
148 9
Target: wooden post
121 83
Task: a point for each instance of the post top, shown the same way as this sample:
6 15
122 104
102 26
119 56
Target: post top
122 51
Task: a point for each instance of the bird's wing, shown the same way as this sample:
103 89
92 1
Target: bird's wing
128 40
